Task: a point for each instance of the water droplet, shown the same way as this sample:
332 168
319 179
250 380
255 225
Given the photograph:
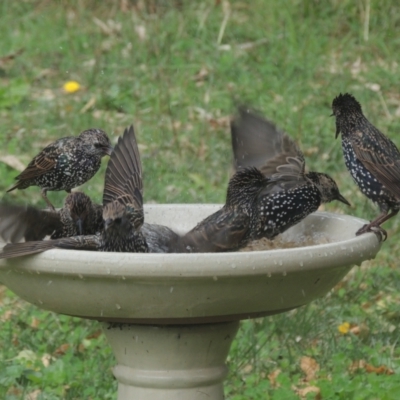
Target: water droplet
80 276
49 283
117 306
284 273
269 274
171 289
301 263
233 266
215 278
40 302
280 262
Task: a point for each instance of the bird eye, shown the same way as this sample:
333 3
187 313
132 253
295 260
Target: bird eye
117 220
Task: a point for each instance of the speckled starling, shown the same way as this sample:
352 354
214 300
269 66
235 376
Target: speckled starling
78 216
372 159
265 201
66 163
122 209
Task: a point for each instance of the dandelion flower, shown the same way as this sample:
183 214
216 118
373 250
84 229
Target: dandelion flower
71 86
344 328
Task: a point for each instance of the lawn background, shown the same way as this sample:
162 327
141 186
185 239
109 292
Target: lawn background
176 69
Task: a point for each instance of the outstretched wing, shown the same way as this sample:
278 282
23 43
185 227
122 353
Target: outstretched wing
123 181
380 156
29 223
89 242
259 143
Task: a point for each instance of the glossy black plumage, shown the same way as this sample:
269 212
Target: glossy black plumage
65 163
279 195
78 216
122 209
372 159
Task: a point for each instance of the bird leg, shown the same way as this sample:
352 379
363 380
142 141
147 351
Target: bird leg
374 226
47 200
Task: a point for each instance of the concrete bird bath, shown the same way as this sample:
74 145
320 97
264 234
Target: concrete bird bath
171 318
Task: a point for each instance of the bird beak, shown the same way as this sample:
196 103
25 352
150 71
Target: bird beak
337 132
343 200
332 115
107 223
79 225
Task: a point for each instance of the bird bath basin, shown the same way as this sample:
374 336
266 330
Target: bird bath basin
171 318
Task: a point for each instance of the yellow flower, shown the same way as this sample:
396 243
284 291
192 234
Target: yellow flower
344 328
71 86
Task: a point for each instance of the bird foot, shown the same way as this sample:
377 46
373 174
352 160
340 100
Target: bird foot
379 231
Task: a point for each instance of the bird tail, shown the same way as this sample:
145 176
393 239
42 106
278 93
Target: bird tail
15 186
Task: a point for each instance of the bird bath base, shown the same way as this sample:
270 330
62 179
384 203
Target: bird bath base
171 362
174 316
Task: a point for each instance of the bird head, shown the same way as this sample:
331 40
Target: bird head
97 141
78 205
345 106
121 218
327 187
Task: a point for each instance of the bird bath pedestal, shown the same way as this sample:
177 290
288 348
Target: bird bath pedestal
171 318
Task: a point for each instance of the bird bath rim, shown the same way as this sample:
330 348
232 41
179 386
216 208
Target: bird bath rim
190 288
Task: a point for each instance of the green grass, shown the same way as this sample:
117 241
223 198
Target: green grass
310 51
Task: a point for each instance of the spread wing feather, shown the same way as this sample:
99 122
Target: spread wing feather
259 143
124 172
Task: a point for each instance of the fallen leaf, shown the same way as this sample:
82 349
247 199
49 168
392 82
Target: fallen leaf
201 75
362 364
15 391
35 323
27 355
381 370
272 377
309 366
61 350
33 395
94 335
309 389
46 359
7 315
358 364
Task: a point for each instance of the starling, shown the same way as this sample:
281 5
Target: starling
65 163
229 228
79 216
270 192
372 159
122 209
